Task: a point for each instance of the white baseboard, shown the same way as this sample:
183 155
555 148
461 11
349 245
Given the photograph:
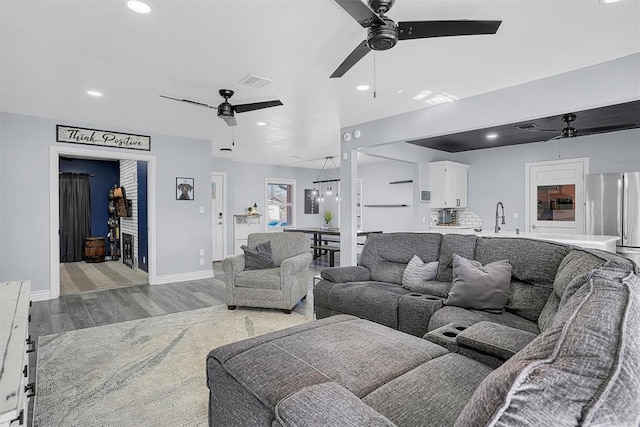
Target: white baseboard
183 277
40 295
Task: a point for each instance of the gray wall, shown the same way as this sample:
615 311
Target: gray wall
246 186
24 180
499 173
376 190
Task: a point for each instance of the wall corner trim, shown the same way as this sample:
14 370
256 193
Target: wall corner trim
183 277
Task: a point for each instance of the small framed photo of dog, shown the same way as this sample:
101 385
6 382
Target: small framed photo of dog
184 188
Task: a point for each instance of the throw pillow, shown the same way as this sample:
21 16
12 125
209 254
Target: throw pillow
479 287
259 258
417 272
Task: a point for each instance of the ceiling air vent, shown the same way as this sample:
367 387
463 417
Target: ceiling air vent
255 81
527 126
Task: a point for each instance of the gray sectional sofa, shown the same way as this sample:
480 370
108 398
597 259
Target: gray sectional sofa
564 351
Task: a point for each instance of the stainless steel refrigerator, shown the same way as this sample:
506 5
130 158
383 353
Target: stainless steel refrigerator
613 209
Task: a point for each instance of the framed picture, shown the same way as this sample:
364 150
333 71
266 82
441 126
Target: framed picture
184 188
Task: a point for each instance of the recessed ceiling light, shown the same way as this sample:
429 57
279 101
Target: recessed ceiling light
94 93
492 135
400 91
609 1
139 6
362 87
422 95
261 124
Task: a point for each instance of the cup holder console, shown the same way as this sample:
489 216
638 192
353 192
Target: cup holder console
449 334
460 328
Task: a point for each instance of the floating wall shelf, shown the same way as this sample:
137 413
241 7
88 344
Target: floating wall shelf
386 206
404 181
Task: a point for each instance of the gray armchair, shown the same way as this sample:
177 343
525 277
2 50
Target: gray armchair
280 287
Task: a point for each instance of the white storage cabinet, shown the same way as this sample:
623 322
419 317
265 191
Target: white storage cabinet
448 183
243 225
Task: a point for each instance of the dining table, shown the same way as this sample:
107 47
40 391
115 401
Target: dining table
323 245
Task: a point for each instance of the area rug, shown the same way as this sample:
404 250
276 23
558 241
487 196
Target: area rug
148 372
78 277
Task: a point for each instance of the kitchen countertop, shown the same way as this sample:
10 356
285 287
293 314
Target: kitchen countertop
606 243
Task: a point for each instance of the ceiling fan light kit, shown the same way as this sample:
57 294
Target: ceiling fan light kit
383 33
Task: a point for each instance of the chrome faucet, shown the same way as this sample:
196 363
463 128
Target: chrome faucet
497 229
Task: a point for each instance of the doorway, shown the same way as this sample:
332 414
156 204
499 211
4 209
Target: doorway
54 205
219 215
555 196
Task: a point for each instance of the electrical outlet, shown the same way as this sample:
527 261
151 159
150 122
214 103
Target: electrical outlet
515 215
201 261
424 219
201 209
201 252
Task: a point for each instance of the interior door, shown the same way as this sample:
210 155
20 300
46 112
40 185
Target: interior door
556 197
218 213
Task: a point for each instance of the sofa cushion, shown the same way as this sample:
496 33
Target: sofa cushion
535 264
574 267
387 254
357 354
262 279
500 341
461 244
433 394
465 317
582 370
480 287
374 301
259 257
328 405
418 271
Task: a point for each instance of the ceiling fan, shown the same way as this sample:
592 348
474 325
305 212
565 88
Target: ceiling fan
226 111
383 33
570 132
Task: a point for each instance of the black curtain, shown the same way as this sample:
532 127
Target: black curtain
75 215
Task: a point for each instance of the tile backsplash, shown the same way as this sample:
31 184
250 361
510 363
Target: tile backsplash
465 217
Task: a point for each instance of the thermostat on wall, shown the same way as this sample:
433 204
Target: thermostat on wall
425 196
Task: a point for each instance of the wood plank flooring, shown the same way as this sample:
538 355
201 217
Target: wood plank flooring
103 307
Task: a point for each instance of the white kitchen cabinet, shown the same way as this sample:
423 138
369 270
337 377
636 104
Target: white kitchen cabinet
448 182
243 225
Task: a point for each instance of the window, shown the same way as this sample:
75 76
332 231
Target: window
280 202
555 202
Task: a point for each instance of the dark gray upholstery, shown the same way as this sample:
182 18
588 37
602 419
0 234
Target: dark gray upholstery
459 244
414 312
432 394
582 370
462 316
327 405
534 266
387 254
497 340
346 274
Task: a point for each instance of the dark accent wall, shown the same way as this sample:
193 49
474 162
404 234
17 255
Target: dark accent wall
106 174
143 233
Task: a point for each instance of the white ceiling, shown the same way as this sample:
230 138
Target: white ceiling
53 51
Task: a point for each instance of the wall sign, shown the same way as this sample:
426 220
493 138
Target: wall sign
102 138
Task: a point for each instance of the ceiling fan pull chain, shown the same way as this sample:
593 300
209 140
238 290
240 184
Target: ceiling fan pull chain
233 136
374 75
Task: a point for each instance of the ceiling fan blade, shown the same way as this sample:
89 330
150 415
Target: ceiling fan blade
360 12
358 53
611 128
426 29
229 120
188 101
241 108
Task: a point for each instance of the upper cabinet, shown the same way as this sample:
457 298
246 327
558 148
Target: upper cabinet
448 182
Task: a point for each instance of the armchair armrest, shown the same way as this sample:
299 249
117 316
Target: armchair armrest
494 339
296 264
232 266
327 405
346 274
